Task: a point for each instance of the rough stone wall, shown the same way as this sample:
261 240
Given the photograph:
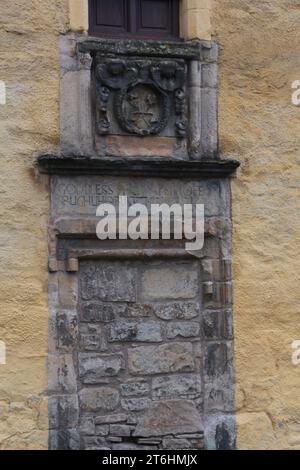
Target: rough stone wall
140 346
29 32
258 124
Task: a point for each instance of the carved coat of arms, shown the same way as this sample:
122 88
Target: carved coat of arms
142 96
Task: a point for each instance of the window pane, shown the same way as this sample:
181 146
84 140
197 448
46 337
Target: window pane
155 14
155 19
111 13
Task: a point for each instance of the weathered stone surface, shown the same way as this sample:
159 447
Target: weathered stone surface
131 446
87 425
107 419
67 329
138 310
67 439
169 417
132 331
217 324
67 290
171 443
106 281
134 388
114 439
177 311
150 441
93 367
182 330
62 376
120 430
102 430
176 386
93 443
172 357
100 312
129 146
99 399
211 324
220 432
90 342
219 394
135 404
221 295
218 376
63 412
174 282
216 359
92 190
91 338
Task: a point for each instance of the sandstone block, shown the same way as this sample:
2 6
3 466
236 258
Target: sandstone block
99 399
132 331
93 367
165 358
120 430
108 419
105 281
169 417
175 386
135 404
177 310
102 430
178 282
67 329
87 426
183 330
134 388
176 444
100 312
63 412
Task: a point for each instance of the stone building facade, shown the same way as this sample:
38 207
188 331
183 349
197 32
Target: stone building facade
122 344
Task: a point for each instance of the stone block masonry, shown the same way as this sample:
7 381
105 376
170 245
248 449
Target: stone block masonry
141 346
147 381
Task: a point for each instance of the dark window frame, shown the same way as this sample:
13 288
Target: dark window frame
133 23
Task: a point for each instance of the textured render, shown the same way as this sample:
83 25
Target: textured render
260 126
29 122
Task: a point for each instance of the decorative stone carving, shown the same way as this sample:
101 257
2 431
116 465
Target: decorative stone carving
140 96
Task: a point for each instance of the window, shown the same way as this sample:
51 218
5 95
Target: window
147 19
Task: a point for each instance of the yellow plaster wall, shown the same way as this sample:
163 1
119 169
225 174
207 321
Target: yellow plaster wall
29 61
259 125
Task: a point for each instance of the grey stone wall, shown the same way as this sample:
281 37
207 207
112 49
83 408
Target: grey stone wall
141 347
140 332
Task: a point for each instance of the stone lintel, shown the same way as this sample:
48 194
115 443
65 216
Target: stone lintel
188 50
154 167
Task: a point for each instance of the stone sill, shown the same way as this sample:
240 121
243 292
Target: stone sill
154 167
188 50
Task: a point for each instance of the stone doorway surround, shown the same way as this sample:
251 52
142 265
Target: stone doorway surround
141 341
140 332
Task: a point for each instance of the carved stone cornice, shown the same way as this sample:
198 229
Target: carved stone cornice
154 167
189 50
